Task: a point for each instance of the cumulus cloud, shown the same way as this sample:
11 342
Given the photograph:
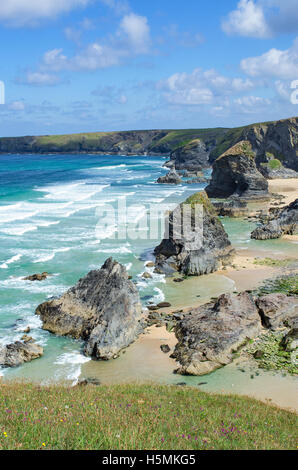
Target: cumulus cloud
201 87
247 20
262 18
277 63
130 40
30 12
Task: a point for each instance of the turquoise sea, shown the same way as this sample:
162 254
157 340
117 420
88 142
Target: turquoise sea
51 220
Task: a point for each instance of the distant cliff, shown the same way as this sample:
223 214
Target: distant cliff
151 142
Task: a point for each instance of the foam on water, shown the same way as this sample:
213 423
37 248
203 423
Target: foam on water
10 261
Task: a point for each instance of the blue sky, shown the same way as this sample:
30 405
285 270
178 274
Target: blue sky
100 65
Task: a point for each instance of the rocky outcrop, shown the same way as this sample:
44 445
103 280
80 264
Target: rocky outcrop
283 222
235 174
103 309
277 140
37 277
193 156
196 242
275 170
231 208
275 308
209 336
170 178
15 354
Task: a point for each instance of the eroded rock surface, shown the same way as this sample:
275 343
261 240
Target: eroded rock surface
235 174
284 222
15 354
103 308
196 243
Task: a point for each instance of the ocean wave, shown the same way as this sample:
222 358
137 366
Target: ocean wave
10 261
50 255
73 362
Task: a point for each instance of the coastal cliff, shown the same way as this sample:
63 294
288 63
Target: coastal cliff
235 174
193 250
276 140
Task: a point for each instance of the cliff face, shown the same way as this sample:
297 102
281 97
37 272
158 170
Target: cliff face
193 156
235 174
273 140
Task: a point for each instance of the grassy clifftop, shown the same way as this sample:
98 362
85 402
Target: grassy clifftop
127 142
133 417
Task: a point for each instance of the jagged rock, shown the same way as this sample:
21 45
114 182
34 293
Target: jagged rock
37 277
146 275
192 156
164 305
170 178
165 348
231 208
27 330
150 264
88 381
27 339
201 247
280 172
284 222
235 174
209 335
103 308
15 354
290 341
276 308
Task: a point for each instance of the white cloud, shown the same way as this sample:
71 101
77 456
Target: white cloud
247 20
201 87
16 106
30 12
137 30
277 63
130 40
262 18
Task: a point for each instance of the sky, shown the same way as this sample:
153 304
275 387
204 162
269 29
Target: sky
101 65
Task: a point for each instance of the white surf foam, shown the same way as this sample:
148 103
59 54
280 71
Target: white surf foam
10 261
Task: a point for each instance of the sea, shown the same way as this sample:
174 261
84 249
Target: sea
65 215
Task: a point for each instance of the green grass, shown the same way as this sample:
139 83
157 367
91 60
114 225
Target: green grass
274 164
133 417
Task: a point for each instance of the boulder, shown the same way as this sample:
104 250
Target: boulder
210 334
170 178
231 208
165 348
276 308
37 277
103 309
284 222
15 354
290 340
195 242
235 174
